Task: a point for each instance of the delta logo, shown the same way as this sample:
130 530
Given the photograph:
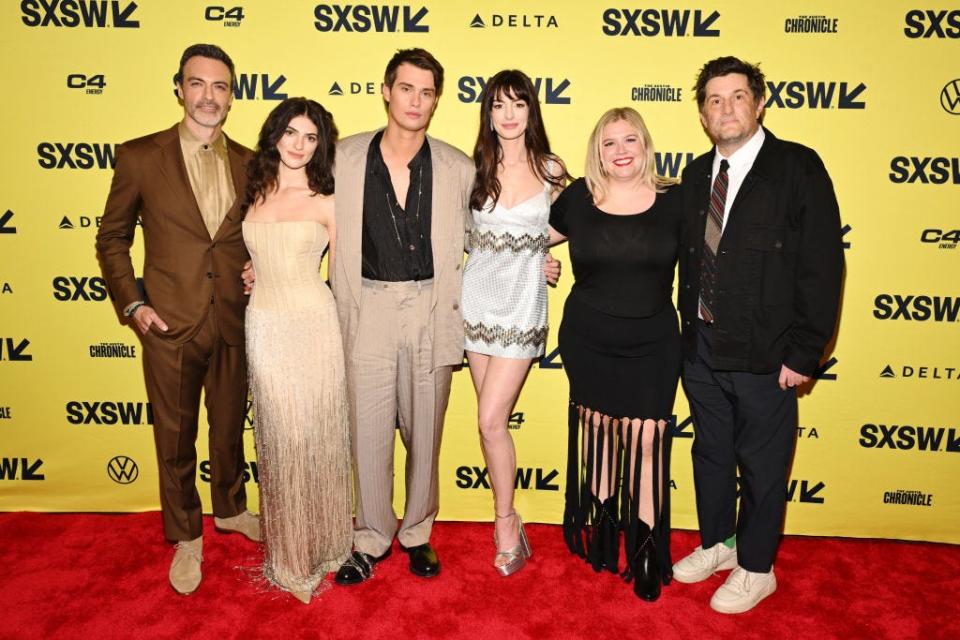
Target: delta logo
920 372
68 223
924 170
909 438
354 88
363 18
929 23
669 23
549 90
76 155
919 308
90 14
515 21
798 94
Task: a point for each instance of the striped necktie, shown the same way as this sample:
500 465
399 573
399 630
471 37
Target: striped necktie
711 240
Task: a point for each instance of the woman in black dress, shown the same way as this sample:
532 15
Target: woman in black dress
620 345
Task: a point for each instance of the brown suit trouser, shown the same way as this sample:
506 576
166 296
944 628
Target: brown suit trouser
390 375
175 375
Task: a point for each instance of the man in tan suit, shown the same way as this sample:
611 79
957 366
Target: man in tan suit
401 210
185 184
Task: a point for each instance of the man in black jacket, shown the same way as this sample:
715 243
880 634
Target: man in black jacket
761 266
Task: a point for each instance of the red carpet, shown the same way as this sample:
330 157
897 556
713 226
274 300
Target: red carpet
105 576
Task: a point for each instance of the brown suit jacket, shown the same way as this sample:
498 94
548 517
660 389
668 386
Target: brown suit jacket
184 269
453 174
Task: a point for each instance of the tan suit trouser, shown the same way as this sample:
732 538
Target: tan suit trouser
175 374
391 377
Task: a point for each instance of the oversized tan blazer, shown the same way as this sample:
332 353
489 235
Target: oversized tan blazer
184 269
453 174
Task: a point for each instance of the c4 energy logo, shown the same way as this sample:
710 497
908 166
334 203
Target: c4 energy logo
921 372
805 491
660 22
228 16
5 225
911 497
942 238
250 471
76 155
76 289
893 306
925 170
797 94
15 350
109 413
656 93
370 17
97 14
550 90
21 469
246 86
810 24
527 478
930 23
670 164
950 97
92 84
515 21
123 469
907 437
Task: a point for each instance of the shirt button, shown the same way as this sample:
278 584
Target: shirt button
457 267
456 306
412 248
691 249
210 274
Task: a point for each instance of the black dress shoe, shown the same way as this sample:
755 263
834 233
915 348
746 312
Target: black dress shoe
423 560
358 567
646 569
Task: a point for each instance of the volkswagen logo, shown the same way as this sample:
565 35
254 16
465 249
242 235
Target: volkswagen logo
122 469
950 97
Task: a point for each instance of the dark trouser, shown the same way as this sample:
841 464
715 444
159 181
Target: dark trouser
174 375
741 420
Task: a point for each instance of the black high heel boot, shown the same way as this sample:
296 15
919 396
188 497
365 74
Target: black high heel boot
596 539
610 532
646 570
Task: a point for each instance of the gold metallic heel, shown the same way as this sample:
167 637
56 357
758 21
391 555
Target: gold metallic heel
515 558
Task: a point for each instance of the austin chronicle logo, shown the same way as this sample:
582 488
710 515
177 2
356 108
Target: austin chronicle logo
122 469
950 97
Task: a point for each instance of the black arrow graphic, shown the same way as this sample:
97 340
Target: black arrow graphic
544 481
121 19
848 99
702 27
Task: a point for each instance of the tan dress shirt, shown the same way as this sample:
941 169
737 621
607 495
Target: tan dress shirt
208 168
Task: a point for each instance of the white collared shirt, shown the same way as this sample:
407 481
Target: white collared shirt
740 162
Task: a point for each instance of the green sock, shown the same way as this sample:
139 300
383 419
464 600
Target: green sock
731 541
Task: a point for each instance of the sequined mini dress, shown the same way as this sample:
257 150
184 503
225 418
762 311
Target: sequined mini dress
504 289
296 369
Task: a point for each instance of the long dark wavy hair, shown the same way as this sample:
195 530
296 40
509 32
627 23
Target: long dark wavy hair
263 166
487 152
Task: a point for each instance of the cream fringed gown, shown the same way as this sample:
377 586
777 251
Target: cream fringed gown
295 364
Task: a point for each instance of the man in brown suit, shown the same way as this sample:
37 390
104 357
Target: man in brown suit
185 185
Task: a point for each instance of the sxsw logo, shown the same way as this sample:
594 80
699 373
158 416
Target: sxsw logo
927 23
246 86
527 478
950 97
907 437
943 239
921 372
924 170
815 95
805 491
76 155
123 469
843 234
248 414
75 289
549 361
5 226
893 306
92 85
96 14
21 469
15 350
550 90
655 22
250 471
354 88
515 21
230 17
109 413
670 164
363 17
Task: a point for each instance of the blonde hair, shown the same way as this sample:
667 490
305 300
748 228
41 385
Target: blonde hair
594 173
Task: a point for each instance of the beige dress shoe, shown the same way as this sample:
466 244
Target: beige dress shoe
302 596
245 523
185 569
743 590
703 563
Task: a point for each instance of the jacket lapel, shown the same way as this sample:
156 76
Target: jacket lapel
237 174
758 172
442 208
174 172
350 176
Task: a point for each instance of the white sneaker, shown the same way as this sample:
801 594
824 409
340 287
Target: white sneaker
703 563
743 590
